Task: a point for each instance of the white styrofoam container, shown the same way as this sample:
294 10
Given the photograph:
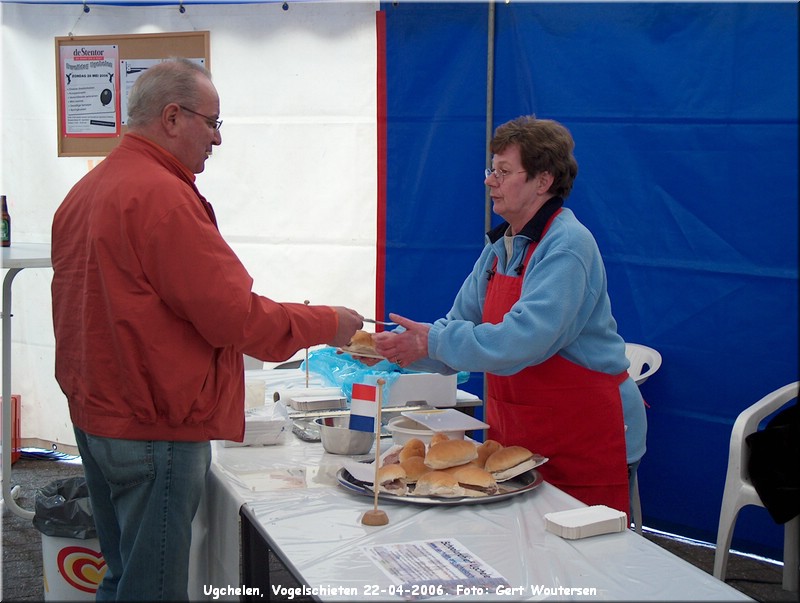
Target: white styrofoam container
430 388
264 426
288 395
585 521
262 432
310 403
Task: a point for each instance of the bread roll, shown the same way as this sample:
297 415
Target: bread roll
487 449
392 456
392 479
361 342
414 447
415 468
509 462
507 457
439 437
451 453
476 481
452 470
438 483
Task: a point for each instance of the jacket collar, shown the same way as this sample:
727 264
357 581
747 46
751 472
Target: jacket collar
533 229
159 154
169 161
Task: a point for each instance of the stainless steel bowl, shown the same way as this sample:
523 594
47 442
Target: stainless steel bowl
338 439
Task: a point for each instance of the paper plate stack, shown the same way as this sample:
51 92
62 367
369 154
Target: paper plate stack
264 426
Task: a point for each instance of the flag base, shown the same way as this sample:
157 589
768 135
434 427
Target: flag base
375 517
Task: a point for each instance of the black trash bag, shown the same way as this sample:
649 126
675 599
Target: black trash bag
62 509
774 464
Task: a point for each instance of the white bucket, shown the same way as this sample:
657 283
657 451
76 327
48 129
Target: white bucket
72 568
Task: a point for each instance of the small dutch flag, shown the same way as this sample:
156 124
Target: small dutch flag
363 407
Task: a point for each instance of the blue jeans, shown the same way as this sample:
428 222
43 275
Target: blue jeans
144 495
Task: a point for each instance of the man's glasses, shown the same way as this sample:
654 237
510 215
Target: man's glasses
500 175
214 124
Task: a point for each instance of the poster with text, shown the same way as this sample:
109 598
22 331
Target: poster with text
90 90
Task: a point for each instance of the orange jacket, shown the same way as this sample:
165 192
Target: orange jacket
152 310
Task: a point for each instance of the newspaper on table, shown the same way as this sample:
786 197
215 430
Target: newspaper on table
432 568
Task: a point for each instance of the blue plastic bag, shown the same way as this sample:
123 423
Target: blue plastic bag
342 370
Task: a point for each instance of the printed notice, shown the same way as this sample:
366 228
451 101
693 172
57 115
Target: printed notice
90 90
435 567
130 70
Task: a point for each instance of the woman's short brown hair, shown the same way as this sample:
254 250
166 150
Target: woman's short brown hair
544 146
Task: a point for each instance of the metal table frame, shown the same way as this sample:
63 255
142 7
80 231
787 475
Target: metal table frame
14 259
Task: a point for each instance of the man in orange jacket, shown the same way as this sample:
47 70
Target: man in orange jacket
152 312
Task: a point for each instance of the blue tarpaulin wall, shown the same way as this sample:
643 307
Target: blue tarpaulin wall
685 120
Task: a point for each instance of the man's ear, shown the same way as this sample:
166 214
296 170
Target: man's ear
169 118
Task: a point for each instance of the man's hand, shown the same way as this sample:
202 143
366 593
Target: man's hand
350 321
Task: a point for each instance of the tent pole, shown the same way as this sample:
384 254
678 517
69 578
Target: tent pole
487 218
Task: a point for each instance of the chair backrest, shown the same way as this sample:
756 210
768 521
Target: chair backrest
747 422
644 361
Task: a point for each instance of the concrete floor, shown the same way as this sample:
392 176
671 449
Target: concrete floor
22 546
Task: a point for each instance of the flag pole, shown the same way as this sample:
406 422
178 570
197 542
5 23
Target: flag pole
376 517
306 302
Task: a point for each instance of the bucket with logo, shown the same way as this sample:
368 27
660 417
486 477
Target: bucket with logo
72 563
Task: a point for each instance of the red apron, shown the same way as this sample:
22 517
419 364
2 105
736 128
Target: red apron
568 413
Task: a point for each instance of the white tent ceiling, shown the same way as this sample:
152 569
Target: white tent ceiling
293 183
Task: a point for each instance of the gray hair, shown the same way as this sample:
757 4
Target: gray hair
172 81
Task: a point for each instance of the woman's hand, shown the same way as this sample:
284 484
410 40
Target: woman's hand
404 347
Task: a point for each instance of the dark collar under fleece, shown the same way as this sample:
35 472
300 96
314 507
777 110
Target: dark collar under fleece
533 229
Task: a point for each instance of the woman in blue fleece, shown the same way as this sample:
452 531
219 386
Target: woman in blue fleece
535 316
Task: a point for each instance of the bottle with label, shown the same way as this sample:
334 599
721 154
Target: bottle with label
6 224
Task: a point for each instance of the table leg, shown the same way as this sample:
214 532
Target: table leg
254 567
262 566
8 444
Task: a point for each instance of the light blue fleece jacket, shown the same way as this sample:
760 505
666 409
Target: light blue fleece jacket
564 309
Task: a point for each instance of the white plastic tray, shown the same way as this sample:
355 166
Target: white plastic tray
448 419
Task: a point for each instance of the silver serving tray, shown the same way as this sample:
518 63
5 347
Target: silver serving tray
515 486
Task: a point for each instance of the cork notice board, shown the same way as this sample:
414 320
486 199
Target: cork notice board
94 75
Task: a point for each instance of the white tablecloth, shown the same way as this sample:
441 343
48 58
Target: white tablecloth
315 524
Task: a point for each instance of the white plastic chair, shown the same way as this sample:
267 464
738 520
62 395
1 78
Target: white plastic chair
644 362
739 491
